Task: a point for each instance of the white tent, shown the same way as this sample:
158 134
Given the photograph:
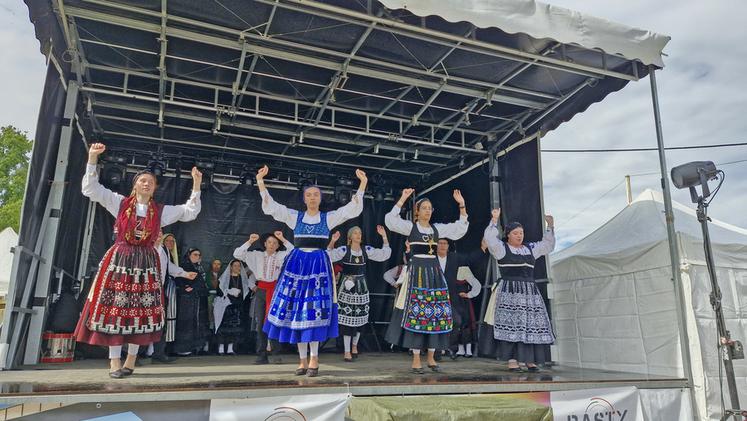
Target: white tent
614 301
8 239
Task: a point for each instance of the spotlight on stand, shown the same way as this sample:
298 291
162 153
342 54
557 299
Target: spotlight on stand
343 191
693 174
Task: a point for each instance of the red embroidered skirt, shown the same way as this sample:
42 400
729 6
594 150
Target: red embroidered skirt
125 304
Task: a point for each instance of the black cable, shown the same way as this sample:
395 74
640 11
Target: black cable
721 181
670 148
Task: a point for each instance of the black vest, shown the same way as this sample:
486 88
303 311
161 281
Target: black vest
422 243
354 265
517 266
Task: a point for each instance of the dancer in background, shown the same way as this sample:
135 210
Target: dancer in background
228 308
422 314
304 307
125 304
265 265
192 320
352 297
521 324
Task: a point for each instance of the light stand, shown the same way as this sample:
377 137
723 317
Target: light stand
691 175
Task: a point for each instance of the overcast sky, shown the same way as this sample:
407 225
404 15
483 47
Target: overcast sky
702 91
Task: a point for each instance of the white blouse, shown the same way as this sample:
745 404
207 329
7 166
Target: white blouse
464 273
536 249
290 216
392 274
92 189
452 231
377 255
264 267
173 269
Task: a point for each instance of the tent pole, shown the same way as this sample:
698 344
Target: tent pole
679 290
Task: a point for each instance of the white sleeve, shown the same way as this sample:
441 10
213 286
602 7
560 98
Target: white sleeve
390 276
495 245
242 252
176 271
337 254
92 189
248 257
349 211
474 286
454 230
379 255
395 223
278 212
252 281
288 247
545 246
185 213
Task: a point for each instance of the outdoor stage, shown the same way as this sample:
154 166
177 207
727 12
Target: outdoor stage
214 377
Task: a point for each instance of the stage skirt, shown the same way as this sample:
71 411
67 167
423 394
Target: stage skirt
353 301
426 320
232 327
302 307
125 304
522 326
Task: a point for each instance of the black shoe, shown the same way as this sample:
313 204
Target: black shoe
453 355
163 360
435 368
514 369
117 374
230 353
126 371
418 370
534 369
313 372
467 355
301 371
437 356
355 356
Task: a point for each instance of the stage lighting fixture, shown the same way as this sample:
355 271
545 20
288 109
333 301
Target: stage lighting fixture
205 165
246 176
113 176
157 166
342 195
379 194
692 174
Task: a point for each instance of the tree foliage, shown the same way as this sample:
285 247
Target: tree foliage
15 153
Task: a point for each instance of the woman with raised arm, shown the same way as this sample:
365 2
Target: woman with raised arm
265 265
304 305
422 311
521 325
125 303
352 288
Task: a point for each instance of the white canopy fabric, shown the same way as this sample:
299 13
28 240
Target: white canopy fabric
614 301
540 20
8 239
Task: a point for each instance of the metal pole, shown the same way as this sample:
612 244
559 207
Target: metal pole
674 256
724 336
628 190
495 202
49 237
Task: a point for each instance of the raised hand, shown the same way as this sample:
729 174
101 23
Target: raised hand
94 151
279 236
262 173
361 175
254 237
196 179
494 215
458 197
381 231
405 194
550 221
335 236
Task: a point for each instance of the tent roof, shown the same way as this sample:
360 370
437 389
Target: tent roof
540 20
412 90
641 224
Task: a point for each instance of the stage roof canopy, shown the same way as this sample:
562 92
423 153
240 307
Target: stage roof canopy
400 88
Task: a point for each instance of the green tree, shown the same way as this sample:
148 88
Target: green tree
15 153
